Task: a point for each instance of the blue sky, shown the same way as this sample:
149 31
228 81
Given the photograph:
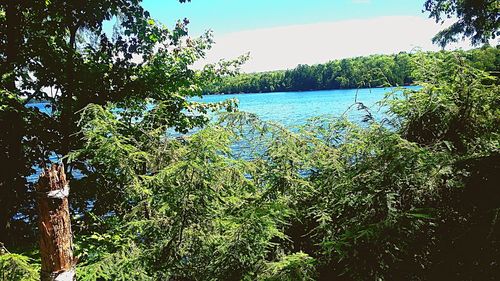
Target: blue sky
225 16
280 34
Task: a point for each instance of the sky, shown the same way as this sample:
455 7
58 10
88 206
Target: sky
280 34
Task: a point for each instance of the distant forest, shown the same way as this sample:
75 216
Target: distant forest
358 72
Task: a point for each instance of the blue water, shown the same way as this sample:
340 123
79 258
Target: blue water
295 108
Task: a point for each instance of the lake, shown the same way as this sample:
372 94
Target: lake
294 108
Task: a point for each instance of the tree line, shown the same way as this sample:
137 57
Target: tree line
349 73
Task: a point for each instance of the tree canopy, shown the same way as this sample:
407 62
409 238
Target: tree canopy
350 73
478 20
58 52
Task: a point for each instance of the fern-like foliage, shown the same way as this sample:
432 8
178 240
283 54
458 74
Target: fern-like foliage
16 267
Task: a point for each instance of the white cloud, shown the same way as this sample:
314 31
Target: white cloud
286 47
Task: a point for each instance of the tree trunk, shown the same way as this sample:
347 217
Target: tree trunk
56 246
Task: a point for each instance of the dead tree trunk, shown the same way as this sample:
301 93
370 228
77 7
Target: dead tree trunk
56 245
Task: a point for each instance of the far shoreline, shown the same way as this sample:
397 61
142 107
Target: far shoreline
271 92
313 90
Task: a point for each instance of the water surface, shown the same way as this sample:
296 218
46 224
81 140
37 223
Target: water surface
294 108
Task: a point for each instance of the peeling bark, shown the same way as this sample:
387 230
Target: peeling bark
56 245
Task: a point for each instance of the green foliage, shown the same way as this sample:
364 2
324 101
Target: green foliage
329 200
370 71
298 266
195 203
15 267
120 265
412 198
359 72
462 114
478 20
58 52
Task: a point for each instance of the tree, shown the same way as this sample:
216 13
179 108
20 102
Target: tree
349 73
478 20
58 52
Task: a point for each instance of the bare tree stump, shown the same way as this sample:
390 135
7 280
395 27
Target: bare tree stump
56 245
